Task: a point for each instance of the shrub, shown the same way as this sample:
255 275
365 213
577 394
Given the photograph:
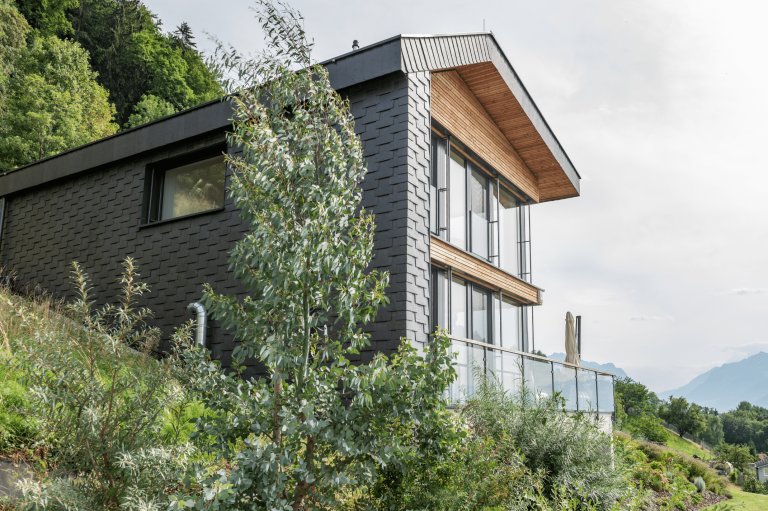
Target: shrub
647 426
699 484
752 485
100 398
568 448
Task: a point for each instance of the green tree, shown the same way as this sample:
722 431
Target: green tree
319 421
739 455
635 397
687 418
148 109
48 17
713 432
53 104
135 59
13 36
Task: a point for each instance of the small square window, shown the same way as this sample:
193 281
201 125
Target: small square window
183 187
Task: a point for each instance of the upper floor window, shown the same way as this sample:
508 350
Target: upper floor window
471 209
184 187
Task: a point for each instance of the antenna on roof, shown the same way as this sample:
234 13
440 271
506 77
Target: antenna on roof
355 45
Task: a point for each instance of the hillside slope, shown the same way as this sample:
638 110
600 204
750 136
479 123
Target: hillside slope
724 387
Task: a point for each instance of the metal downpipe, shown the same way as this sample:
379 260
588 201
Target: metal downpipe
201 322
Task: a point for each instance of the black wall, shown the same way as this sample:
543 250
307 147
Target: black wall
93 217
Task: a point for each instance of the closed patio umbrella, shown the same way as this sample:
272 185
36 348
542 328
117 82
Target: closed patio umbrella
571 345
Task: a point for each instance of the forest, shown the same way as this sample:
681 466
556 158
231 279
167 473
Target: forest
73 71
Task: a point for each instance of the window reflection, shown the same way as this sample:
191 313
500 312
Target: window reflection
193 188
458 307
478 194
458 200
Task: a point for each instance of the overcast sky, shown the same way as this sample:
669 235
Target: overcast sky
661 106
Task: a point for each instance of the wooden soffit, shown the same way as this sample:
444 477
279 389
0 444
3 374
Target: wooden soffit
498 280
491 91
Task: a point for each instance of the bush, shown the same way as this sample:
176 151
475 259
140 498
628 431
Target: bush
699 484
647 426
569 449
100 399
752 485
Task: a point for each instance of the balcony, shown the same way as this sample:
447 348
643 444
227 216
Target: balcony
583 389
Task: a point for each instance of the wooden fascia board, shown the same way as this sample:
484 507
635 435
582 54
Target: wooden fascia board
486 274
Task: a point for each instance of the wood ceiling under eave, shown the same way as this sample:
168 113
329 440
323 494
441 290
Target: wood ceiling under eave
489 88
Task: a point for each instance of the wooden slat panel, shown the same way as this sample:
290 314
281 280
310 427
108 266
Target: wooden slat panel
447 254
455 107
500 104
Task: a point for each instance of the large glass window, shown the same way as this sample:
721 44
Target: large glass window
479 214
458 199
509 249
184 189
473 211
470 311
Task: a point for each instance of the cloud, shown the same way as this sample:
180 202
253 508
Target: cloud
743 291
651 318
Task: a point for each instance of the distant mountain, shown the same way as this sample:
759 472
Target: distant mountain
724 387
608 368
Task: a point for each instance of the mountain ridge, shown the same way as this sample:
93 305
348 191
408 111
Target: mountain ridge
725 386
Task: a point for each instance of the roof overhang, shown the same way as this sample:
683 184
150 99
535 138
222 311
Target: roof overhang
481 63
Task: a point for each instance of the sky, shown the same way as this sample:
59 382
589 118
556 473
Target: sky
661 106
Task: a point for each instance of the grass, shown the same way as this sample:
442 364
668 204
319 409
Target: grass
687 447
744 501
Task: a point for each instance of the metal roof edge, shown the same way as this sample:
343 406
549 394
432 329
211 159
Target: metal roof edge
110 137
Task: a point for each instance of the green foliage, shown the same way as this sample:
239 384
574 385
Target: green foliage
699 483
134 59
569 449
149 109
713 432
16 430
100 401
647 426
319 422
13 35
48 17
748 425
687 418
634 396
53 104
752 485
738 455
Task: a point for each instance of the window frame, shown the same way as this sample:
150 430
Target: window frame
495 184
154 180
444 276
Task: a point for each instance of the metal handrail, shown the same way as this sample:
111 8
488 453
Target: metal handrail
530 355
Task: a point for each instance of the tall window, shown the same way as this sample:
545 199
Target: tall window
470 311
472 210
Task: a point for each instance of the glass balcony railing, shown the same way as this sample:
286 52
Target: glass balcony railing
583 389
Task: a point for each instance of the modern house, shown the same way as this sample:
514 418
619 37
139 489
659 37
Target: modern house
457 154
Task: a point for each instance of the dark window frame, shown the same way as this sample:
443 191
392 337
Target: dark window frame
440 221
154 178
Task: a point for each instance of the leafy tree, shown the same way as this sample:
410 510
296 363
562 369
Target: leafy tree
148 109
53 104
48 17
13 35
713 432
739 455
135 59
318 422
635 397
687 418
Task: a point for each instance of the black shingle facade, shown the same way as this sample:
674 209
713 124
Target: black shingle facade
85 205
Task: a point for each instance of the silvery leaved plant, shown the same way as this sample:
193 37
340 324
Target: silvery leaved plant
316 422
